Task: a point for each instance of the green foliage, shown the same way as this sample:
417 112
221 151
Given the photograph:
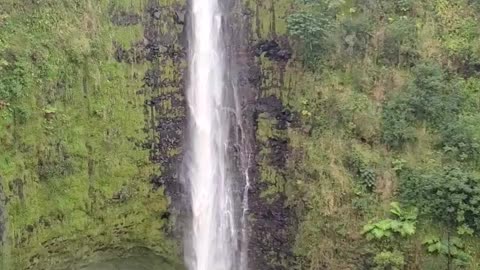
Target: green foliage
461 139
70 120
364 173
388 260
403 6
429 98
310 27
71 125
12 80
398 164
400 79
390 232
458 29
455 198
432 97
452 248
403 223
399 46
398 128
54 162
451 196
355 32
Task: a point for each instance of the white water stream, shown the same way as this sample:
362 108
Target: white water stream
213 241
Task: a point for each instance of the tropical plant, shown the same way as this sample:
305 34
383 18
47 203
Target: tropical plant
403 224
451 196
452 248
310 27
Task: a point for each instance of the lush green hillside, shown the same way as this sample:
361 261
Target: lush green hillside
383 170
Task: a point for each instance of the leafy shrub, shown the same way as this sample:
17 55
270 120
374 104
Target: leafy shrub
458 28
455 198
398 118
364 173
356 35
310 27
451 197
461 139
388 260
429 98
403 6
453 249
403 223
399 46
432 97
388 235
12 80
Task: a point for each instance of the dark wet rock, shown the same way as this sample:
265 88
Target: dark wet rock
136 54
166 215
16 187
171 135
255 75
271 105
179 17
273 51
124 18
272 236
274 223
279 152
152 78
155 11
119 53
155 50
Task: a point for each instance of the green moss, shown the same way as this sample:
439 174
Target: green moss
130 5
265 128
269 19
127 36
77 182
274 179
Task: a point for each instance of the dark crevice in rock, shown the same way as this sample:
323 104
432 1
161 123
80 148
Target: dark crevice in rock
134 55
16 187
273 50
179 17
279 150
274 107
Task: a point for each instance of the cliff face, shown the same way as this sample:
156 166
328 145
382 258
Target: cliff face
86 88
337 124
93 113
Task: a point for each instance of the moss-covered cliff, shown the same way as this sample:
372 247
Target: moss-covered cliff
85 86
363 104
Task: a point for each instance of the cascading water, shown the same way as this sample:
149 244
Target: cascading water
213 240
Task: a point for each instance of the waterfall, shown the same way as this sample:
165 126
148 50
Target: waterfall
213 240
